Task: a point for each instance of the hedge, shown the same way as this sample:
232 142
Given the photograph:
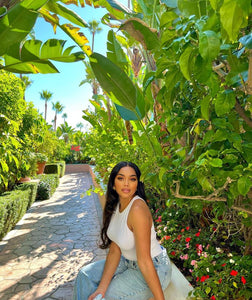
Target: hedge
47 186
33 187
13 206
58 167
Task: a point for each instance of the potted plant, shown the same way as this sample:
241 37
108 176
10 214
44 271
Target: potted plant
41 162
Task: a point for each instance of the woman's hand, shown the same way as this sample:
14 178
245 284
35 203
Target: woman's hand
97 295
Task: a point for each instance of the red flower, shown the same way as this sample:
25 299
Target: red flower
197 279
233 273
213 298
167 237
243 280
179 237
188 239
220 280
173 253
187 228
159 219
182 230
214 228
197 234
223 265
203 278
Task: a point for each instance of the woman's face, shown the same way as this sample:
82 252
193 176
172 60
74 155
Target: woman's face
126 183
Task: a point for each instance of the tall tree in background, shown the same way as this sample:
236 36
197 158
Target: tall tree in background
46 96
58 108
80 126
64 116
94 28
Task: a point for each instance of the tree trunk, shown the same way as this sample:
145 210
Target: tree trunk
129 131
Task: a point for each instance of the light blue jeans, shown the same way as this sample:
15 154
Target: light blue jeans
127 283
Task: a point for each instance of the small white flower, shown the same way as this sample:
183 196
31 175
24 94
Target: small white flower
230 255
231 261
218 250
207 270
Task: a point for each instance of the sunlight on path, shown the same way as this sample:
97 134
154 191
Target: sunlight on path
40 258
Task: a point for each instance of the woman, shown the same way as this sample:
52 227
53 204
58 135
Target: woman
136 267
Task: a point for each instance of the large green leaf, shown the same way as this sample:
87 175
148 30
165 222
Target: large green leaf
15 25
127 114
193 7
224 102
114 81
244 184
64 12
115 52
246 40
185 62
35 57
233 16
209 44
141 32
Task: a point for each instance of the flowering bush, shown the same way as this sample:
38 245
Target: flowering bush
214 265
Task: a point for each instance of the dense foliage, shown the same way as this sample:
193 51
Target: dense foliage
178 74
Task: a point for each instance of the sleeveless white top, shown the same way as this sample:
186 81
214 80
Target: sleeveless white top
119 232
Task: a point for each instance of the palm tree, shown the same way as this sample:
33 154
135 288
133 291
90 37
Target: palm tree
65 131
94 28
64 116
46 96
80 126
58 108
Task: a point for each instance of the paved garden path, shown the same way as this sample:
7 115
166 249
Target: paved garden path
40 258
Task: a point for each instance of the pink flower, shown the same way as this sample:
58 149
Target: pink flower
233 273
184 257
194 263
187 245
159 219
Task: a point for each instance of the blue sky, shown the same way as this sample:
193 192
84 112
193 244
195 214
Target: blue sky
65 85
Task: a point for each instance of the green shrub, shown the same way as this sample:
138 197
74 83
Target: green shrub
33 187
13 206
52 168
47 186
62 165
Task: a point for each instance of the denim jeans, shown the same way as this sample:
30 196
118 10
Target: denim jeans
127 283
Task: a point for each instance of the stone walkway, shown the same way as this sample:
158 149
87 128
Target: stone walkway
41 257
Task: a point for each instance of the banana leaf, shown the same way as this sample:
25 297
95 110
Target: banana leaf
114 81
35 57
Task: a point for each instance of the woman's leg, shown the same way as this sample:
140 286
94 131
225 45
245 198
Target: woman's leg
131 284
88 279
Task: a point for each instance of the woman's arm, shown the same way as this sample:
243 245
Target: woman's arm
140 221
110 267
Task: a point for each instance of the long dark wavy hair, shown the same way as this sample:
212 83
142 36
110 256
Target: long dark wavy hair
112 198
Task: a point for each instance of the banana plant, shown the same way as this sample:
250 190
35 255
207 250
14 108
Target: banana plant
33 56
